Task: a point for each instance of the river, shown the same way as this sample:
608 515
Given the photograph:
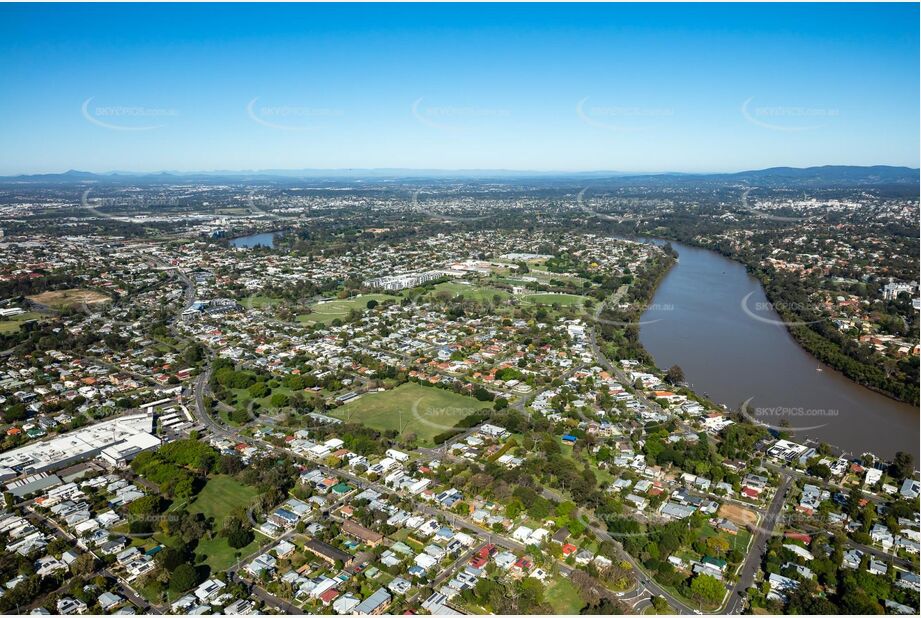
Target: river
696 320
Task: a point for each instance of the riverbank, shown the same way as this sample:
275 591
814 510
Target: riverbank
696 320
822 348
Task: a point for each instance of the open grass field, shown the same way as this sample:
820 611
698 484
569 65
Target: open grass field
563 300
742 540
563 597
220 496
410 408
64 299
324 313
545 276
221 556
257 301
737 541
478 293
12 324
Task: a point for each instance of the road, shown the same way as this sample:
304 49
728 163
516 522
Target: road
756 550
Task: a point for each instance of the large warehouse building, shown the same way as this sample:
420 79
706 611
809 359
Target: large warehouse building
118 440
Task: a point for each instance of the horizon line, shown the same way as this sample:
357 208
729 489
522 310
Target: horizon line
471 170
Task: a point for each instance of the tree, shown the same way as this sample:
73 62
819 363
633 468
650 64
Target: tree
819 471
903 466
482 394
84 565
371 304
14 413
258 390
675 375
238 535
604 607
147 506
718 545
513 509
169 558
183 578
708 589
239 538
239 416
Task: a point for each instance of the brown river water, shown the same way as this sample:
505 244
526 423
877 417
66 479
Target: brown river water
734 353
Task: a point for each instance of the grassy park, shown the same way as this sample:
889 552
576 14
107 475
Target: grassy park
478 293
563 597
12 324
220 496
326 312
410 408
563 300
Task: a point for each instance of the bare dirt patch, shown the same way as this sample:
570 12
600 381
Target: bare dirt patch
63 299
738 515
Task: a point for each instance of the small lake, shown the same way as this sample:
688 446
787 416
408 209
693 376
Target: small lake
265 239
734 353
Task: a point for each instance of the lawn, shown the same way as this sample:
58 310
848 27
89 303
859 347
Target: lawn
741 540
324 313
564 300
220 496
411 408
257 301
241 400
221 556
476 293
13 323
563 597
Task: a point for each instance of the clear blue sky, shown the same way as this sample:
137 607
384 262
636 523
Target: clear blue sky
536 87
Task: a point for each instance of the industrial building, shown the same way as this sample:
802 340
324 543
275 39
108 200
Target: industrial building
121 438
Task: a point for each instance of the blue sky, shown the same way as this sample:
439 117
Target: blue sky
525 87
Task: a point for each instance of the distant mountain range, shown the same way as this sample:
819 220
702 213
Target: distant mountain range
828 175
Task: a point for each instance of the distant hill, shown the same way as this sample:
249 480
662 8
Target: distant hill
828 175
875 174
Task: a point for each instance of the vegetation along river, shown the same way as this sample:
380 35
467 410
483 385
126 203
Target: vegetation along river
734 353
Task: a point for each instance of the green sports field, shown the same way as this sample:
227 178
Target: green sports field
478 293
563 300
220 496
12 324
324 313
410 408
563 597
258 301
